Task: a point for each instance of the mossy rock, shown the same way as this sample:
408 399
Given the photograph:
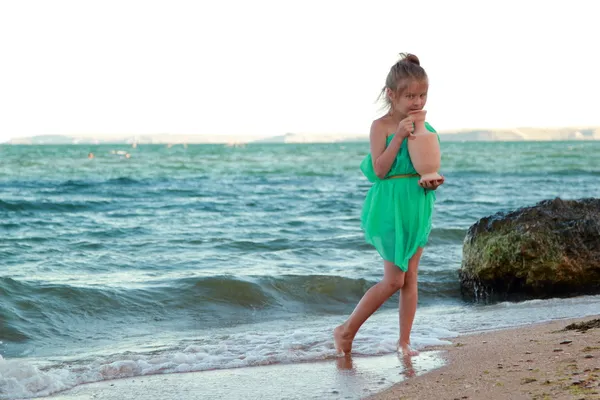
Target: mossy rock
549 249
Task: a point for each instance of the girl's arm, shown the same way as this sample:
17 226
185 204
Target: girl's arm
383 158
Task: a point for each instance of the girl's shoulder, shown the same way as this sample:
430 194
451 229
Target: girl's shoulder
429 127
382 126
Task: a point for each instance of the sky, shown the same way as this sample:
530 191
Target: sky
261 68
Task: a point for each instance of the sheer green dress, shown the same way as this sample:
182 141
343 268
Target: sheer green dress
396 215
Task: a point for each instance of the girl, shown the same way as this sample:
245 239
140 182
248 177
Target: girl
396 216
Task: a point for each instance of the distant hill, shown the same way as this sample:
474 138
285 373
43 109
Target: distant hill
523 134
313 138
125 139
472 135
43 139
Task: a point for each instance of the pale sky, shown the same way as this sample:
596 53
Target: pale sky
261 68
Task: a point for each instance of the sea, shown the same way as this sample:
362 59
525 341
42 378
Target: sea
160 259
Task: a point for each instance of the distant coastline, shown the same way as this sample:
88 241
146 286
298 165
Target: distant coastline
471 135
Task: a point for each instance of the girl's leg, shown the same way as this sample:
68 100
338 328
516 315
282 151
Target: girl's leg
408 304
393 280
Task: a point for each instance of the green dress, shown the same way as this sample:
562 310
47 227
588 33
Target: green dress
396 215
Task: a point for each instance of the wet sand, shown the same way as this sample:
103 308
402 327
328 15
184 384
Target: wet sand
340 378
537 362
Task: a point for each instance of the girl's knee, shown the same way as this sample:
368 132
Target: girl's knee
410 281
395 283
393 276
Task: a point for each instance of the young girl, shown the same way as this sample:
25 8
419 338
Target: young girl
396 216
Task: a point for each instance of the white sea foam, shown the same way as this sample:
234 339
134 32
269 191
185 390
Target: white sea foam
253 346
282 342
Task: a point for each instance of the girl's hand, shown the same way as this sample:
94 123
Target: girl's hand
406 128
432 185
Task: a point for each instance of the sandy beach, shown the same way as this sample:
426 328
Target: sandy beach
542 361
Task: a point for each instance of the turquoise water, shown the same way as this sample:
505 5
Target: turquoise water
207 256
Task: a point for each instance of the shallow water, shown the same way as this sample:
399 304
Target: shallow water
187 259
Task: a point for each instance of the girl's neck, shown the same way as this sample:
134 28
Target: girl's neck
395 116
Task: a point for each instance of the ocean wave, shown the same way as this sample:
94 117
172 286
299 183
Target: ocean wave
350 242
122 181
572 172
452 235
195 292
291 343
541 170
38 308
77 183
263 344
10 333
9 225
52 206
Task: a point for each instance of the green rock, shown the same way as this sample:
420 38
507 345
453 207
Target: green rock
549 249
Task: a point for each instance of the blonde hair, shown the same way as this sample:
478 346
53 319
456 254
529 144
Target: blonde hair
407 68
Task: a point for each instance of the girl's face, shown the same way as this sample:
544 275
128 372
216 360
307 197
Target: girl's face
411 98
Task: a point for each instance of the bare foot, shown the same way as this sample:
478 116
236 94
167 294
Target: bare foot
409 370
345 363
342 339
406 350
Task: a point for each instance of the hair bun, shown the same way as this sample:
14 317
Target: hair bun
409 58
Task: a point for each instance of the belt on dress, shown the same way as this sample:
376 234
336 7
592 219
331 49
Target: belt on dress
403 176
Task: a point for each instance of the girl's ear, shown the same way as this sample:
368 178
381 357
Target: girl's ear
390 94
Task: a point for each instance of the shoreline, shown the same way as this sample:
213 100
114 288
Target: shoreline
331 379
539 361
535 362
